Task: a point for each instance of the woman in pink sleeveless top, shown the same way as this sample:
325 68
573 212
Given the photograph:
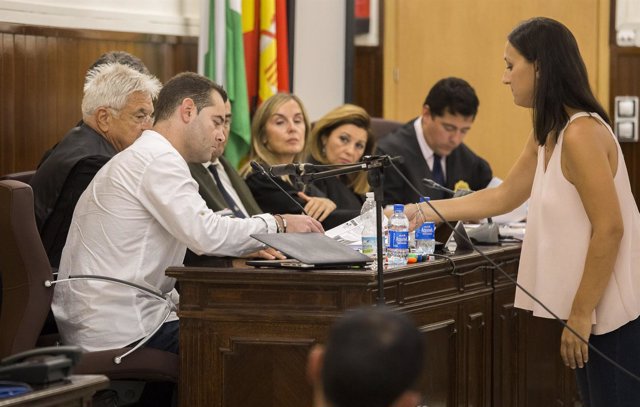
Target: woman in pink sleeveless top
581 253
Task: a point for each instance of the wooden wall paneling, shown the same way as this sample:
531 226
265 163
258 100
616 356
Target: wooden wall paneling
7 101
367 79
42 75
52 78
22 127
368 72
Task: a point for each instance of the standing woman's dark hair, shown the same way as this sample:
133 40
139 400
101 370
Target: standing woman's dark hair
561 77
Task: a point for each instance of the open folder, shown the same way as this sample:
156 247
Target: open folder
310 250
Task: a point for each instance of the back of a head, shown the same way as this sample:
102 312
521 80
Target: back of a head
120 57
372 356
452 95
111 84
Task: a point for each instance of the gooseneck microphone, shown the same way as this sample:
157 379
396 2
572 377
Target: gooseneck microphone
281 170
485 233
432 184
260 170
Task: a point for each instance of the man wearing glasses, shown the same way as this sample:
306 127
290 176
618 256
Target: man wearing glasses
116 107
432 146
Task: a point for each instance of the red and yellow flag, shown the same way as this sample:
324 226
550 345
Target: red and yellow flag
266 48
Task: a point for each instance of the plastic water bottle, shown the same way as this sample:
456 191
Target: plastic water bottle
426 236
398 250
368 219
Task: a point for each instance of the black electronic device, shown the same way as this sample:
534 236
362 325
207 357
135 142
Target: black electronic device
40 365
444 234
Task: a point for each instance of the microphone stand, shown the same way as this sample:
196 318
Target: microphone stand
375 167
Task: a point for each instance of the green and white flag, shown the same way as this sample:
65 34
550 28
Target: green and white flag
221 58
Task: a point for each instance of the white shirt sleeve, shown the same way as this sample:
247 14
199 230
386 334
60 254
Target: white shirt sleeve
170 194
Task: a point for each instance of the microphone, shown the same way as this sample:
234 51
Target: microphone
260 170
487 233
289 169
432 184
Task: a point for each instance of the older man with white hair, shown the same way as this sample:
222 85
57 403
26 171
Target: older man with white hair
116 107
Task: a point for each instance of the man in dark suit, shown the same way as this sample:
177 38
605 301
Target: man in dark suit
432 147
233 199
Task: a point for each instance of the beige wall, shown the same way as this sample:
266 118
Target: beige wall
426 40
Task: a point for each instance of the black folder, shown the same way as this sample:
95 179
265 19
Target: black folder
311 250
444 234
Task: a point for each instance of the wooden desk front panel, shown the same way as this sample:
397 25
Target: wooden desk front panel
246 333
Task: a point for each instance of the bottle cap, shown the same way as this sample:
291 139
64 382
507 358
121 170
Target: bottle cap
398 208
369 195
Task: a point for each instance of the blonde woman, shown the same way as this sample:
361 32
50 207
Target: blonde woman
342 136
279 132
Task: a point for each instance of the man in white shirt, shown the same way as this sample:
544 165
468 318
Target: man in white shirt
138 216
223 189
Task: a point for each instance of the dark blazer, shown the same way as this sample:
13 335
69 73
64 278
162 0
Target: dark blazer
337 189
273 200
62 176
462 165
212 196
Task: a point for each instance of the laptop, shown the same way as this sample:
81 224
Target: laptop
310 250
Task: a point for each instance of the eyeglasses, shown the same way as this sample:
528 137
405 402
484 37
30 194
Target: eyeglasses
138 117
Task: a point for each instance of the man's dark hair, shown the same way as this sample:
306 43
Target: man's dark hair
120 57
452 95
182 86
373 355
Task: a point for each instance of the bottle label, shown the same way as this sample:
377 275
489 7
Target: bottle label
369 245
398 239
426 231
